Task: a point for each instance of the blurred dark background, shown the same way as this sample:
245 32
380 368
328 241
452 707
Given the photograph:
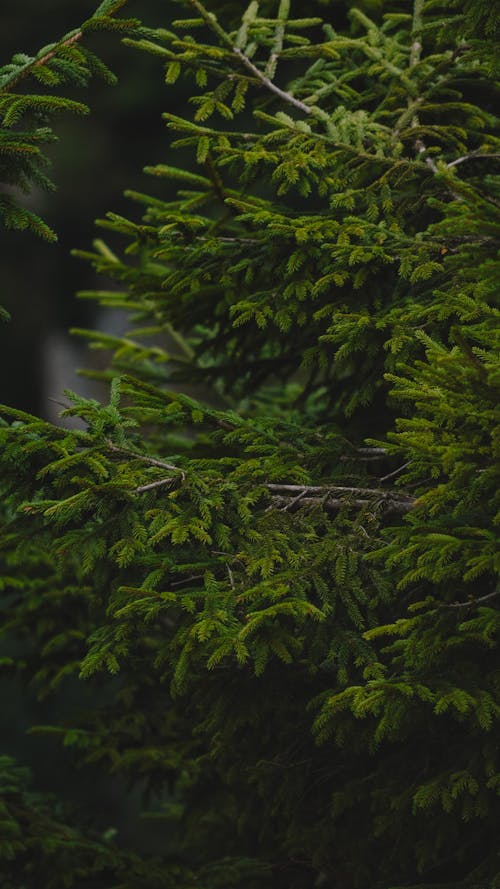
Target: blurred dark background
95 159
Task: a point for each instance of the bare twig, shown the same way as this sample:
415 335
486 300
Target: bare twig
416 46
396 472
235 240
295 500
215 180
158 484
212 22
151 461
471 603
286 97
365 454
415 54
337 489
285 497
283 13
333 504
474 155
186 580
420 146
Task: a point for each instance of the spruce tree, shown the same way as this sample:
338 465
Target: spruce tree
273 553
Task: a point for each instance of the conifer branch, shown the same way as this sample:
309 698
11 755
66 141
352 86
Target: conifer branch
157 484
385 478
416 46
471 603
144 458
309 298
333 504
421 148
474 155
63 43
212 22
186 580
282 94
227 240
337 489
288 496
283 13
36 62
215 179
415 53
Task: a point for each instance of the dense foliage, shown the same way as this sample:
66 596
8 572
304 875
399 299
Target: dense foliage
273 554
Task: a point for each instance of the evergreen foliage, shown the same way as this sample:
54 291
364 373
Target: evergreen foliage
274 554
26 117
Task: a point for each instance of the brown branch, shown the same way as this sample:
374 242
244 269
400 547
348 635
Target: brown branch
420 146
216 180
416 29
291 503
186 580
337 489
286 497
333 504
68 40
396 472
157 484
151 461
212 23
472 602
286 97
38 62
415 55
365 454
473 156
235 240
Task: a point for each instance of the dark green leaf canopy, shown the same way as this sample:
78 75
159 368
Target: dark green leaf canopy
273 554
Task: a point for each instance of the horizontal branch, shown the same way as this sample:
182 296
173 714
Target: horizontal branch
333 504
339 489
421 148
157 484
364 454
144 458
287 497
471 603
474 155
